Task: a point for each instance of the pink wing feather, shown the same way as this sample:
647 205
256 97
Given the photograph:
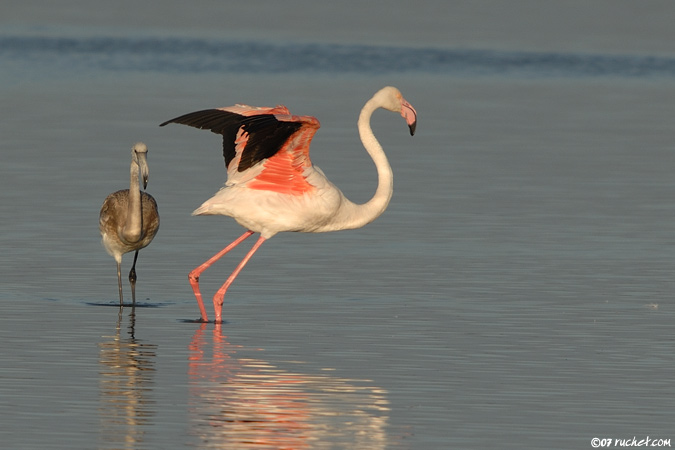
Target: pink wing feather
266 136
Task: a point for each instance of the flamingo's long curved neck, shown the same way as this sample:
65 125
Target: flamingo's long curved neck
360 215
134 224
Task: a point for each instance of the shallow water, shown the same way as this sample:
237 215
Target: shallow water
516 294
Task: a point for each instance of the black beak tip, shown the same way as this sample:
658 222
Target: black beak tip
412 127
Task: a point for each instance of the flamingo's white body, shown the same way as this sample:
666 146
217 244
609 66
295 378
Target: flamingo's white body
272 185
129 219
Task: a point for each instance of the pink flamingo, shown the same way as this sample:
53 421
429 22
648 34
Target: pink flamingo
272 185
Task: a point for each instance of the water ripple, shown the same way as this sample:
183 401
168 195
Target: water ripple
183 55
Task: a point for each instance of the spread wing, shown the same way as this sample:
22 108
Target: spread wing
253 134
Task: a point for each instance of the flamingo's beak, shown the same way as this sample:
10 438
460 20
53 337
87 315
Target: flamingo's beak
410 116
143 166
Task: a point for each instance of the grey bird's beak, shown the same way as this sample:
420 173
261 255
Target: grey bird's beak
143 166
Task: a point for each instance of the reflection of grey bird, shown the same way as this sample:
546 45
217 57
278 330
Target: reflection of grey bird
129 219
272 185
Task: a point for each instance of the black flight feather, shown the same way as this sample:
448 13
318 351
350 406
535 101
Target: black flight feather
266 134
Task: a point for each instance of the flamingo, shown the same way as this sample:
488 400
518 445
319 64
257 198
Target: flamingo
129 219
272 185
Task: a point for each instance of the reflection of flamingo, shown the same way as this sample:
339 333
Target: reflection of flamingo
272 185
240 402
129 219
126 382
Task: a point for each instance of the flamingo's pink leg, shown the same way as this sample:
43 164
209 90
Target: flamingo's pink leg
194 275
220 294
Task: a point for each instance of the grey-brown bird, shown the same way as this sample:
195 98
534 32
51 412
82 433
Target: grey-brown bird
129 219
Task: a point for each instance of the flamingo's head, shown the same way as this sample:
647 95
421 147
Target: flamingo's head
139 154
391 99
